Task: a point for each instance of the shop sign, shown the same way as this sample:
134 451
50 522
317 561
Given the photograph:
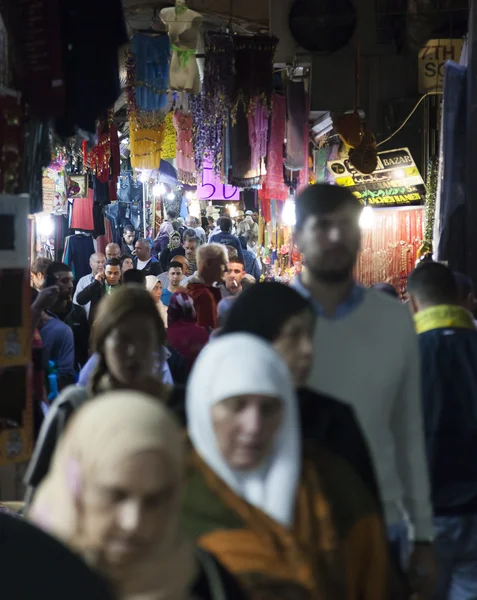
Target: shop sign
395 182
211 188
432 58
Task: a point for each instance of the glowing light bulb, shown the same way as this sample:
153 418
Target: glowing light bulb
45 225
143 177
189 195
159 189
170 196
233 211
288 213
366 220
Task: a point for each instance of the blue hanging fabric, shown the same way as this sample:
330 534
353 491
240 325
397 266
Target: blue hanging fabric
152 56
452 161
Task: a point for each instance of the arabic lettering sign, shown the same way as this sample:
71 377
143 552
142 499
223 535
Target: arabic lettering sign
395 182
211 188
432 58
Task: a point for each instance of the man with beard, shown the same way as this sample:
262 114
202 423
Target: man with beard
233 278
65 310
366 354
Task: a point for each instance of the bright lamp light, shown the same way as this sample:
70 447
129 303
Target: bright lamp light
366 220
288 213
159 189
45 225
170 196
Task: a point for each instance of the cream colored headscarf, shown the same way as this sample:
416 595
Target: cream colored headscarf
151 281
273 486
105 432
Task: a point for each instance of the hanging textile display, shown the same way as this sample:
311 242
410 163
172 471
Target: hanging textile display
169 145
430 206
186 169
242 174
105 159
210 110
295 158
274 185
450 196
152 53
253 57
258 136
390 248
147 82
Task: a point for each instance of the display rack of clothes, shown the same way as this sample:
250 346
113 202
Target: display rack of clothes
78 249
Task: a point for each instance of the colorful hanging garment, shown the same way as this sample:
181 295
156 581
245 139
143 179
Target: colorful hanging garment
170 141
186 169
211 112
152 56
253 56
274 185
147 81
105 159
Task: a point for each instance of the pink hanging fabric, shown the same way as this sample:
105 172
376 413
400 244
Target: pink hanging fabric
274 186
258 135
186 170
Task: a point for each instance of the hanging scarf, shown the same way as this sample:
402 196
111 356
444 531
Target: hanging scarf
253 70
186 169
169 145
296 119
445 316
152 56
241 174
258 135
274 186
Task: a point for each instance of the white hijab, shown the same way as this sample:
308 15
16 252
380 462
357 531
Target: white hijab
235 365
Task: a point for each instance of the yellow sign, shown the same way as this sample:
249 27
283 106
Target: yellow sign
432 58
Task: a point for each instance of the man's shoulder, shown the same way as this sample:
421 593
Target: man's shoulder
385 305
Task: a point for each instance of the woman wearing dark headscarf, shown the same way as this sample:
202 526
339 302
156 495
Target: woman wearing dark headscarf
279 315
174 243
183 334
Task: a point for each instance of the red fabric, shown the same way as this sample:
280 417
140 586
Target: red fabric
389 249
188 339
82 216
274 187
103 240
205 299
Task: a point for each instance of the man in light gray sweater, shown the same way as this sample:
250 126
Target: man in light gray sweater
366 354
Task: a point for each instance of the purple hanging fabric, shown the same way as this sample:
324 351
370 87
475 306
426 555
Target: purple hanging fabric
258 135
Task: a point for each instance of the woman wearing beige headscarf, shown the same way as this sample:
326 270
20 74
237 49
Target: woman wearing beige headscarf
154 287
112 494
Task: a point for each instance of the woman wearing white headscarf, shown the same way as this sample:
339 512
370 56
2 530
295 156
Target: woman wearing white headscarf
113 495
154 287
288 527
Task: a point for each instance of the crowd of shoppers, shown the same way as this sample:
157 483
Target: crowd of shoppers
215 439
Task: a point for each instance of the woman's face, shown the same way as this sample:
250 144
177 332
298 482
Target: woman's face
156 292
126 508
129 349
128 264
176 241
245 428
295 345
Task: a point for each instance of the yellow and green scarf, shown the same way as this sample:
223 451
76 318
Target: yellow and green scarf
444 316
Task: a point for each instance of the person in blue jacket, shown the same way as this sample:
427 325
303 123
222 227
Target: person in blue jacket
225 236
448 344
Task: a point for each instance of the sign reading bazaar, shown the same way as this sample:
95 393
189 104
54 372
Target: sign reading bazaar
395 182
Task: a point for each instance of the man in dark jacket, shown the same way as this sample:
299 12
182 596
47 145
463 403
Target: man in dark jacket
71 314
225 236
448 343
144 261
104 283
